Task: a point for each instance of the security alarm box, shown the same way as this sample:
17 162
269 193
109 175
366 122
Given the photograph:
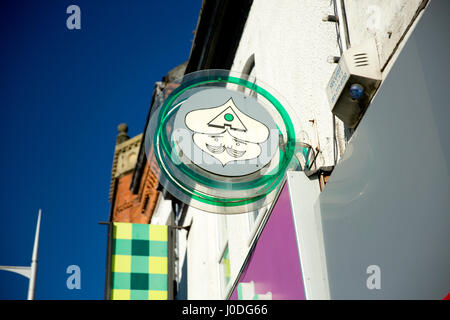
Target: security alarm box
354 83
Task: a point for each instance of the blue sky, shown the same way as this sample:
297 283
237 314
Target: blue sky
62 94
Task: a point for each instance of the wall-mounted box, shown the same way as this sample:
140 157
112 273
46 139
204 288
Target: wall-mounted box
354 83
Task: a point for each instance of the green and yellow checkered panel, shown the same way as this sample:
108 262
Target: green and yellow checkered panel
139 262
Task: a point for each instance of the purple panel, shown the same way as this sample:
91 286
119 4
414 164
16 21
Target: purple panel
274 264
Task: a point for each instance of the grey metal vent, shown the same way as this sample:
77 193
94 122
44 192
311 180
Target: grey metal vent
361 59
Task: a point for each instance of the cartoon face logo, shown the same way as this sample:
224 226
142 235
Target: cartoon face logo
226 133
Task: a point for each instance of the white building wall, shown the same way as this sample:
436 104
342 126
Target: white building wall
291 44
202 256
384 20
238 236
162 211
203 252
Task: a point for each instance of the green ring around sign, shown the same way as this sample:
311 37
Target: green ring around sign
215 184
291 142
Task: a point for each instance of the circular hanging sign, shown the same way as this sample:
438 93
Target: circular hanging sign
220 142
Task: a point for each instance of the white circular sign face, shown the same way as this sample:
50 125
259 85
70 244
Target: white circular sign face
225 132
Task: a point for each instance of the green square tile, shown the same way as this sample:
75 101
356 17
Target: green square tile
157 282
139 264
138 295
141 231
120 280
158 248
139 247
122 246
139 281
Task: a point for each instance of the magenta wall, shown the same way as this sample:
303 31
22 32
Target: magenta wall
274 264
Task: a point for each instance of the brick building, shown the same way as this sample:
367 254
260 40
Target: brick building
134 190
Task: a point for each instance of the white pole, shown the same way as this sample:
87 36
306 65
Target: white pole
342 24
34 258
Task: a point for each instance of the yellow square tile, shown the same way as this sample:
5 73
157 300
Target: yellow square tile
120 294
157 265
121 263
157 295
158 233
122 230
